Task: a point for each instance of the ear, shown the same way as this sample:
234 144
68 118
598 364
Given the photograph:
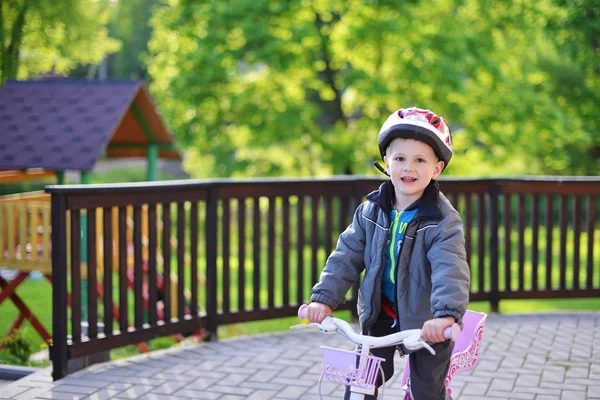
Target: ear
437 171
387 165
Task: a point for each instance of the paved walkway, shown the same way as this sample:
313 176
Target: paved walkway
539 357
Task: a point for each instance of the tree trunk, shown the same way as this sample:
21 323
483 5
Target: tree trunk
2 48
10 54
334 107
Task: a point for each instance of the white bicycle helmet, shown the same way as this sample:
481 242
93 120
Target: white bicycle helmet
420 124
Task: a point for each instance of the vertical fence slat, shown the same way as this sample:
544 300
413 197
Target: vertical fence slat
181 260
166 249
343 215
271 253
507 242
152 273
22 220
535 224
10 222
210 234
549 226
481 241
576 240
194 257
494 294
591 208
75 275
225 222
92 274
256 254
285 245
123 282
34 215
452 198
108 269
46 234
241 254
300 250
468 227
563 242
138 271
328 224
314 239
521 245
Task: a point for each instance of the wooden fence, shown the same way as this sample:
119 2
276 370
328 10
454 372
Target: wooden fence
24 232
246 250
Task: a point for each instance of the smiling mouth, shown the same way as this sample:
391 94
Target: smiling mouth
408 179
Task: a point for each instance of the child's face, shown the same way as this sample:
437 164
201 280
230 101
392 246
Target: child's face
412 165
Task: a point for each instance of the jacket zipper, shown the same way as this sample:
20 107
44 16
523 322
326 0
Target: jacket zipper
414 221
396 225
394 264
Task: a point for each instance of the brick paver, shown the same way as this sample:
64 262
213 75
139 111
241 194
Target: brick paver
537 357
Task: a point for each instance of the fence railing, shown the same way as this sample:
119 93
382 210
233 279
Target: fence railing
24 232
237 251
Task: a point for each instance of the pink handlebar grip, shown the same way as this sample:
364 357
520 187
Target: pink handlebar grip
452 332
302 311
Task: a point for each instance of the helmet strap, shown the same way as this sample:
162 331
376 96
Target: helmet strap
380 168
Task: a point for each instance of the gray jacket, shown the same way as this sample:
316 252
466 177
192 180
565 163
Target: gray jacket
433 283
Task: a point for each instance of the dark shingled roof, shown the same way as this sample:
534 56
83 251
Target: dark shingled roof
67 125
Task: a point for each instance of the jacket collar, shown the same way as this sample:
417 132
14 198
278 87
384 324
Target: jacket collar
428 203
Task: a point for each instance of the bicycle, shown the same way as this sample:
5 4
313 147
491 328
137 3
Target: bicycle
358 369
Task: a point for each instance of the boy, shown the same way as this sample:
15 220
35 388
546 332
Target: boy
409 240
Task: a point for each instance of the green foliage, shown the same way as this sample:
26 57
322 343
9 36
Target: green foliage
530 108
17 348
129 24
41 36
260 87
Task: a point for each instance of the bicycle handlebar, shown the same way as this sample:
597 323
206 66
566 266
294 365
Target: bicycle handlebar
410 338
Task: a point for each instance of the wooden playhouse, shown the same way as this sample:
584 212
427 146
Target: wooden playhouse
48 128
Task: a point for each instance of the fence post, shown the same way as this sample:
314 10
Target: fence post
59 350
211 262
494 193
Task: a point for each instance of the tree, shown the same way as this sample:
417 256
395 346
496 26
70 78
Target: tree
531 106
129 24
256 87
40 36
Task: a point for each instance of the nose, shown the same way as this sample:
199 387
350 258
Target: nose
408 166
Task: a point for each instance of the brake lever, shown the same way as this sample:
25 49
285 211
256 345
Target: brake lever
416 343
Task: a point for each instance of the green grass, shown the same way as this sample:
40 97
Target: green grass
37 295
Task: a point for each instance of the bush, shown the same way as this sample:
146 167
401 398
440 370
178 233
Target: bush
17 348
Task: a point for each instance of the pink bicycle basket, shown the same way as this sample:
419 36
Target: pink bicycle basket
350 368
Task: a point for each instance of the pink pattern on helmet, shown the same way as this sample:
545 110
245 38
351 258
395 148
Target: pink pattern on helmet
419 114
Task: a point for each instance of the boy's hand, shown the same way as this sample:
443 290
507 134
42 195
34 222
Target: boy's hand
433 330
316 312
